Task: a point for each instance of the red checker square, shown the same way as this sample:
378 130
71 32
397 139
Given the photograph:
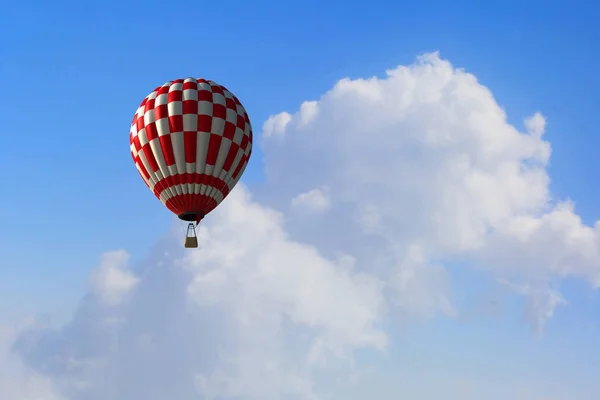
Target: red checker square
219 111
160 112
245 141
205 95
241 122
176 123
217 89
214 144
140 123
175 95
229 103
167 149
204 123
163 90
229 130
136 143
190 107
190 85
151 131
189 143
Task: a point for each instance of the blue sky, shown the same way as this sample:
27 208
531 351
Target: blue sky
74 74
99 62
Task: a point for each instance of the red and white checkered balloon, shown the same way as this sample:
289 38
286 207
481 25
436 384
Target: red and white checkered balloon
191 141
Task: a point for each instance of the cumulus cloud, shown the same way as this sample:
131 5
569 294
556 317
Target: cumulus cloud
217 321
416 170
425 158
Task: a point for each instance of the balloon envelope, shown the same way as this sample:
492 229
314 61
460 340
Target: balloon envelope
191 141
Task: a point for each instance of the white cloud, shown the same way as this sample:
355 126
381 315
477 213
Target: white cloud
219 319
289 279
425 158
314 201
276 125
542 302
536 125
112 282
424 170
17 381
422 288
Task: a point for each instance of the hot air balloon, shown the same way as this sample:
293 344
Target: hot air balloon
191 140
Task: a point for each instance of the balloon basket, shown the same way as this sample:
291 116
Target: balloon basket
191 240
